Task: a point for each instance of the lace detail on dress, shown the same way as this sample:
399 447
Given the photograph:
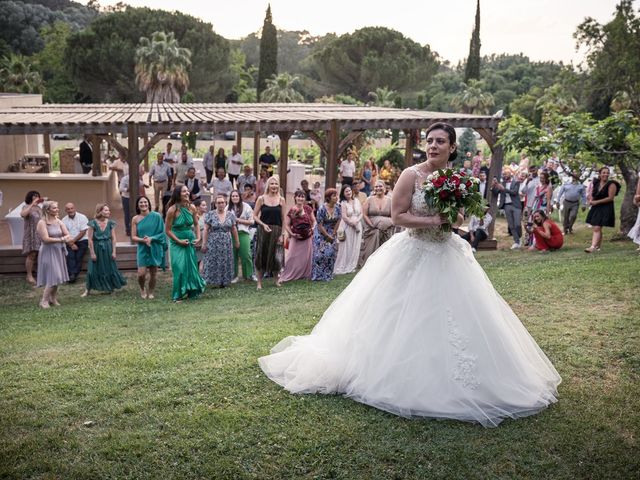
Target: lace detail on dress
420 208
465 370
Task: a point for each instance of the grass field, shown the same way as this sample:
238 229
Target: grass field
117 387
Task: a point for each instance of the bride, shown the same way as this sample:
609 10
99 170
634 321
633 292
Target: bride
420 331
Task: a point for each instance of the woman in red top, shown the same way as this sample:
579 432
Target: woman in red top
547 234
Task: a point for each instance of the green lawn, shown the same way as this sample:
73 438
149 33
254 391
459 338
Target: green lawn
174 390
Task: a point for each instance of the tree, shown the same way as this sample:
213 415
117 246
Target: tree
466 143
281 89
21 23
244 91
612 58
582 142
161 68
52 65
101 57
383 97
472 69
268 53
472 99
373 57
18 75
556 100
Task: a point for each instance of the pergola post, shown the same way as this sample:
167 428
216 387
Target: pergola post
145 140
239 141
284 159
408 149
96 168
256 152
47 146
333 142
133 161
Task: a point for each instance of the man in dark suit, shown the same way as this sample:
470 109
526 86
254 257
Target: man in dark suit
86 156
193 184
509 201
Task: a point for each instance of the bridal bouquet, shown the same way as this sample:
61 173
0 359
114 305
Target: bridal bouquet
448 191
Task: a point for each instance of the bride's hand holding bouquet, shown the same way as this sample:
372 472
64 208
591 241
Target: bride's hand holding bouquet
452 192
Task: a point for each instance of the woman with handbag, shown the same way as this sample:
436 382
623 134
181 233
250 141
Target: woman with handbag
299 224
325 243
349 249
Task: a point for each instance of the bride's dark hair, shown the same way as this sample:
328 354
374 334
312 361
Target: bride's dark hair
451 132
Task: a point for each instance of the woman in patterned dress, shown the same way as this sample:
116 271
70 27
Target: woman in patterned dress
31 213
219 231
325 243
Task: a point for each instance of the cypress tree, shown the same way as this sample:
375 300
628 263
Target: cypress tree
268 52
472 69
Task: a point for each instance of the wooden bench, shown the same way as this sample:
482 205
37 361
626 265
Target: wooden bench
12 259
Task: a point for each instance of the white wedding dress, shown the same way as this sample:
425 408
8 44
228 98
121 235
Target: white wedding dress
421 332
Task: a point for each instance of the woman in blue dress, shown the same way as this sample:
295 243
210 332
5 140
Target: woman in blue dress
325 243
219 230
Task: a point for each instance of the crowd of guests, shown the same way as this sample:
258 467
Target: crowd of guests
248 233
528 195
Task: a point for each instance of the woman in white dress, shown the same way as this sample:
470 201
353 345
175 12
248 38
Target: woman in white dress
420 331
349 248
634 233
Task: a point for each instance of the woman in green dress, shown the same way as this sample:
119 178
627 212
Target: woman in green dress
103 274
182 217
147 230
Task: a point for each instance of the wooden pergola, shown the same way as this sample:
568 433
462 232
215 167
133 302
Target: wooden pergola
332 126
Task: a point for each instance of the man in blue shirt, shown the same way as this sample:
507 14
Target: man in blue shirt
571 194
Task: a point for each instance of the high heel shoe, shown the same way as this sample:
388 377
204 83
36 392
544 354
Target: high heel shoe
44 304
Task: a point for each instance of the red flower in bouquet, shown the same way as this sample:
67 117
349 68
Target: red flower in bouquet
448 191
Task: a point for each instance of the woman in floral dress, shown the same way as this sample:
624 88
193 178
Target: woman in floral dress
219 229
325 244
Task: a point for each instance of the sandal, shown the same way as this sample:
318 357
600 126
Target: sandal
591 249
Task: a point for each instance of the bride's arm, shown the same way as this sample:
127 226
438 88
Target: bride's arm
401 204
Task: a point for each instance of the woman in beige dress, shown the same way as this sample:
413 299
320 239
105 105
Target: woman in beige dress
378 226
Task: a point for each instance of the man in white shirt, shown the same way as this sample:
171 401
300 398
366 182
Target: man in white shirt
169 156
207 163
221 185
477 229
77 225
159 175
348 169
234 164
181 168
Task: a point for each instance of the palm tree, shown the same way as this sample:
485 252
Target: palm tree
16 75
383 97
281 89
161 68
472 99
556 99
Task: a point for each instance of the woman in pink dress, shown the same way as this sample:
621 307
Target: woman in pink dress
299 224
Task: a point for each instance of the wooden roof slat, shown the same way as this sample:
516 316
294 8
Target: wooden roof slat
221 116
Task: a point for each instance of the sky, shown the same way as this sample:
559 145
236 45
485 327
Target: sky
540 29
